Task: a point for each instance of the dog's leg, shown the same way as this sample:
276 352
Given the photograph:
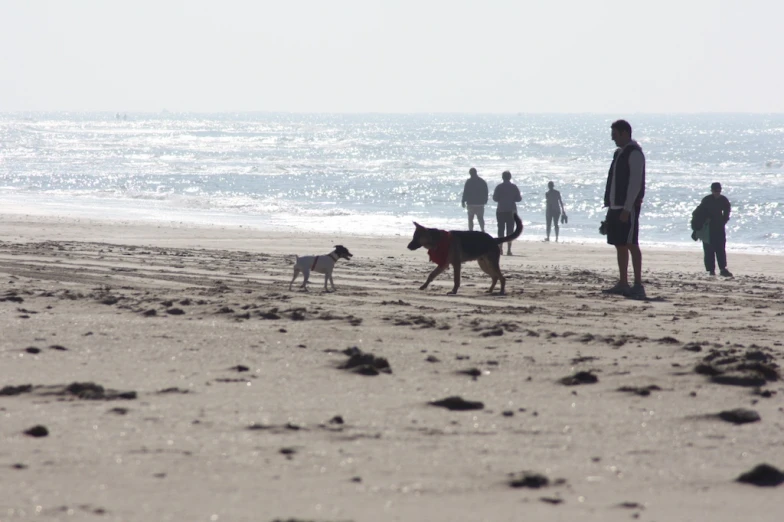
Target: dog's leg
306 276
487 267
433 275
495 278
492 284
495 266
456 268
331 281
296 273
327 277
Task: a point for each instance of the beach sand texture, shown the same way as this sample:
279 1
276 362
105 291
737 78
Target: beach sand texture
206 390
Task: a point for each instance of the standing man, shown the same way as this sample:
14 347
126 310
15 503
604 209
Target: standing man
475 199
507 195
717 210
624 193
553 209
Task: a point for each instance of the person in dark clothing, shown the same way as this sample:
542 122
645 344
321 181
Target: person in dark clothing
623 195
475 198
507 195
716 208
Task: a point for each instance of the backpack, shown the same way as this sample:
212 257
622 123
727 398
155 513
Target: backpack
698 218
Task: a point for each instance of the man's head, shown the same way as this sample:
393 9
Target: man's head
551 185
621 132
716 189
506 176
472 172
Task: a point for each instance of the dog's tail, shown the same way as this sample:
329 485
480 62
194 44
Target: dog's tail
292 261
514 235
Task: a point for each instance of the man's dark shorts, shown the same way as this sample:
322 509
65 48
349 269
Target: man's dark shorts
619 233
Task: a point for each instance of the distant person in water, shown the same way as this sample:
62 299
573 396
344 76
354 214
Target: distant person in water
475 199
506 195
716 209
553 208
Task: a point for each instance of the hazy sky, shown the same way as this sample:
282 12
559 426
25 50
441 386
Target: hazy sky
504 56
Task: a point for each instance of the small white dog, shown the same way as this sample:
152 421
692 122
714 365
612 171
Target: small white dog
321 264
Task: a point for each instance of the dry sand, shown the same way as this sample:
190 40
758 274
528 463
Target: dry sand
222 399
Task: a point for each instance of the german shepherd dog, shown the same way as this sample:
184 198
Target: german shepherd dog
458 246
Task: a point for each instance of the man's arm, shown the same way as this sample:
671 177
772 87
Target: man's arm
465 189
519 197
729 210
560 201
636 163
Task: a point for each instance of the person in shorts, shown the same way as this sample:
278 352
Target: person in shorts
475 197
623 195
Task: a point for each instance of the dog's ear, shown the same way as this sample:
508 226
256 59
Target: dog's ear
418 225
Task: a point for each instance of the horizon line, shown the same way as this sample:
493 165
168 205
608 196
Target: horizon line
384 113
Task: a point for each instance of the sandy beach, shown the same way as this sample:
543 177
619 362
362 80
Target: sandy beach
206 390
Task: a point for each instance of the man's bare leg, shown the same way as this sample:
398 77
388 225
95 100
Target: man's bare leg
636 253
623 263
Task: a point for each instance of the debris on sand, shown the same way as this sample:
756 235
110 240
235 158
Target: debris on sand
739 367
79 390
528 479
763 475
580 378
16 390
457 403
739 416
471 372
37 431
364 363
642 391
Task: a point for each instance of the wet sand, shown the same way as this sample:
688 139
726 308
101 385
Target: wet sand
167 373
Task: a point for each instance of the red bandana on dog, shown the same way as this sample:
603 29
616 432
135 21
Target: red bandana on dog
440 254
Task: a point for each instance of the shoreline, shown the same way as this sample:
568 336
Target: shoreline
16 227
234 222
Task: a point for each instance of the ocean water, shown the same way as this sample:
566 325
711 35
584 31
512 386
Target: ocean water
375 173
